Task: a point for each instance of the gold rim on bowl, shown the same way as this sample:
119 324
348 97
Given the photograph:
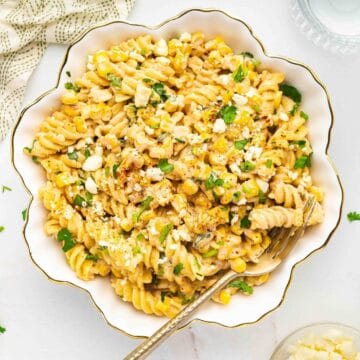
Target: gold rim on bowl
294 62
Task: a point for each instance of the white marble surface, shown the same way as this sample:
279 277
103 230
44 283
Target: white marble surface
49 321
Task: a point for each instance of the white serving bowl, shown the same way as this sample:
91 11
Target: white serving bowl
46 253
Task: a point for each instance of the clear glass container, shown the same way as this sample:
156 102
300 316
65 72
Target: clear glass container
319 329
332 24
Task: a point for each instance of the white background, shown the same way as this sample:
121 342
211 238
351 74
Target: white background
49 321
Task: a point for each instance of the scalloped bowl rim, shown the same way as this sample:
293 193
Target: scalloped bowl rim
121 315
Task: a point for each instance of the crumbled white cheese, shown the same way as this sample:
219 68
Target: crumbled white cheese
185 37
283 116
306 181
181 235
235 219
263 185
253 153
173 246
98 208
70 149
181 131
88 140
100 95
235 169
163 60
182 212
153 230
99 150
163 260
92 163
161 48
245 132
154 173
240 100
149 130
142 95
177 100
68 212
194 139
251 92
90 64
103 243
137 187
90 185
293 175
219 126
224 79
117 220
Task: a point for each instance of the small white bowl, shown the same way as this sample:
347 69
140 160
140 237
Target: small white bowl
317 329
45 251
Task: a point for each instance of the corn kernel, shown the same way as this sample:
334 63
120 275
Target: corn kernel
111 141
104 68
70 110
69 97
225 296
64 179
126 224
189 187
163 306
80 124
238 265
100 56
250 188
220 145
117 55
227 96
227 197
317 192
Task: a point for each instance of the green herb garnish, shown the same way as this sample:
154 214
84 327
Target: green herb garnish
136 250
80 201
147 80
236 196
2 329
300 143
35 159
87 153
245 223
5 188
240 74
302 161
29 149
107 171
210 253
65 235
228 113
159 89
92 257
68 73
178 268
23 213
70 86
291 92
165 166
294 109
242 286
304 115
145 205
247 166
240 144
213 181
164 232
114 80
182 141
73 155
2 228
268 163
353 216
114 169
247 54
262 197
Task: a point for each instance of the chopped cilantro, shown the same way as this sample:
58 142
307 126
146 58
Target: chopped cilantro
182 141
114 169
240 74
162 295
70 86
88 197
304 115
140 236
87 153
164 232
147 80
247 166
262 197
2 329
268 163
213 181
242 286
247 54
291 92
145 205
5 188
80 201
159 89
92 257
236 196
294 109
240 144
353 216
302 161
178 268
23 213
197 263
65 235
29 149
245 222
35 159
165 166
114 80
228 113
2 228
301 143
68 73
136 250
210 253
73 155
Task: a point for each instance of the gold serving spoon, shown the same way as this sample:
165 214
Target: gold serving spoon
283 241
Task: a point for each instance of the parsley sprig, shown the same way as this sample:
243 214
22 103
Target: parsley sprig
228 114
242 286
353 216
65 235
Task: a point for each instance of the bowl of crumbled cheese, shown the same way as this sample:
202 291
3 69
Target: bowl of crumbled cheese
320 341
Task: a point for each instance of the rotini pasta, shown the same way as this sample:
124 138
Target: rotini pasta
168 162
